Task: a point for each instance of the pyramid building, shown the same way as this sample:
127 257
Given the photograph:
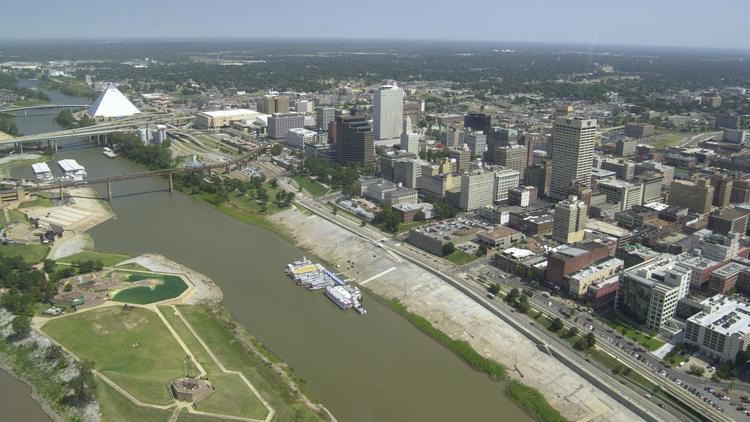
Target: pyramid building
111 104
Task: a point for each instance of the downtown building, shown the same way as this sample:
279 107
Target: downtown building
721 329
569 220
354 140
280 123
572 154
511 156
649 291
409 139
477 189
323 117
388 112
269 104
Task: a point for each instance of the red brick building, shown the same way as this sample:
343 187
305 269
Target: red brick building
569 259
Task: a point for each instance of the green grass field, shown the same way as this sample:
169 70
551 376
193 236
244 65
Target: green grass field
666 140
132 347
235 357
107 258
171 287
460 257
117 408
310 185
621 326
30 253
38 202
232 396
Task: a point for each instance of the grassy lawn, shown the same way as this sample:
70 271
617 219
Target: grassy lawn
189 417
29 102
171 286
17 216
533 402
232 396
108 259
6 167
666 140
460 257
132 347
310 185
115 407
38 202
645 340
405 227
30 253
234 356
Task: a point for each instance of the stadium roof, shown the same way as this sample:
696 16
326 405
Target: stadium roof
112 103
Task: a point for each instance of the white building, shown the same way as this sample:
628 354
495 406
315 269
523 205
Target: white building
569 220
649 291
71 169
572 154
298 137
42 171
388 111
477 189
505 180
721 329
303 106
111 104
626 193
409 139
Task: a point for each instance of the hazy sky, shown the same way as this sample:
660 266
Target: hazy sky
704 23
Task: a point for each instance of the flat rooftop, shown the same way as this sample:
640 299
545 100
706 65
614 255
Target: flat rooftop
724 315
229 113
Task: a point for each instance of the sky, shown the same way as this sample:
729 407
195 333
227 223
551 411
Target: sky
679 23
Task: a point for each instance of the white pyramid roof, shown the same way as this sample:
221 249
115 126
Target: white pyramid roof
112 103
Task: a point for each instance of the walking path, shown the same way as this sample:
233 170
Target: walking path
221 366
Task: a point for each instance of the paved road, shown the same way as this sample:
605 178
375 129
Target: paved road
626 350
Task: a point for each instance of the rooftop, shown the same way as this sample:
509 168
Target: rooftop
229 113
724 315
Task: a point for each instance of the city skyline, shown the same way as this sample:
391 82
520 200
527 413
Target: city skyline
638 23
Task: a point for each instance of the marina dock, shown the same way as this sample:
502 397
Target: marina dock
317 277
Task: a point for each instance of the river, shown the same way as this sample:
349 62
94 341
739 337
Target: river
376 367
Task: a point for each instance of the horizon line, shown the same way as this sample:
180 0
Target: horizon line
12 40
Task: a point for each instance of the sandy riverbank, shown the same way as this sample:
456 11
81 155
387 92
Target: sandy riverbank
455 314
205 288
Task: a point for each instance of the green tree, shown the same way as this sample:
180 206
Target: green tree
696 370
512 295
556 325
481 251
590 340
49 266
419 216
494 288
572 332
21 327
276 149
448 248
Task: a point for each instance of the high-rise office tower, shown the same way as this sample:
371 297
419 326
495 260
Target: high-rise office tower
569 220
478 121
388 111
409 139
354 140
462 155
270 104
573 153
324 116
